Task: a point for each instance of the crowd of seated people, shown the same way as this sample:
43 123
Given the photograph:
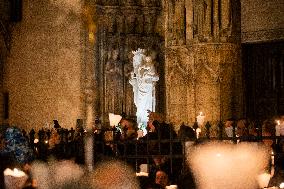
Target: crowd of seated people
161 148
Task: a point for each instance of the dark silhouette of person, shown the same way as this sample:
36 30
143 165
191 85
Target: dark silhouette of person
56 124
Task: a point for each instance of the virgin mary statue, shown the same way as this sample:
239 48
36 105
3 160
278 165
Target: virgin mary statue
143 79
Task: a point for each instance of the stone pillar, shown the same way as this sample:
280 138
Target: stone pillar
205 74
218 84
91 96
88 79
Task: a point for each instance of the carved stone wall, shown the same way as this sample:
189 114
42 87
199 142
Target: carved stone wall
262 21
203 68
122 27
197 21
203 78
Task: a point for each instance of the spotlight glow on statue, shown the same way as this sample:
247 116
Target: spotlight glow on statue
143 79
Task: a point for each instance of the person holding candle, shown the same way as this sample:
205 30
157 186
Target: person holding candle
14 152
200 119
229 127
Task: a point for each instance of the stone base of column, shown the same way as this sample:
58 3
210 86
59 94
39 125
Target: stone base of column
203 78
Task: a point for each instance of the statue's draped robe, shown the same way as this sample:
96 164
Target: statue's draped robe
143 80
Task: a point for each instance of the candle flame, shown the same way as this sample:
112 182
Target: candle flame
278 122
281 185
198 131
16 171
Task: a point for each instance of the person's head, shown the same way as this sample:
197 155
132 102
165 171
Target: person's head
159 159
129 127
241 129
186 132
152 125
229 123
17 145
229 127
152 116
162 178
56 124
268 127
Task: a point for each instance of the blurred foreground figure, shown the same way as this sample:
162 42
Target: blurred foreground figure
15 154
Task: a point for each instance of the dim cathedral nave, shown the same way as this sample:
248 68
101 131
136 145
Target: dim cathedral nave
69 61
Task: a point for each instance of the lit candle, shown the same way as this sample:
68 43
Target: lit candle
36 141
14 178
272 158
277 128
200 119
15 172
198 131
171 187
142 174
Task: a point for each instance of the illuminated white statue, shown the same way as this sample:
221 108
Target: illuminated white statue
143 79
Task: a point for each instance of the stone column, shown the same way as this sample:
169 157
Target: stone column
218 84
91 95
89 68
205 74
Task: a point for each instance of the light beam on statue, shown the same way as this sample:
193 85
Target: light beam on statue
143 79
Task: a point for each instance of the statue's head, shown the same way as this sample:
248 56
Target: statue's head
138 56
138 52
